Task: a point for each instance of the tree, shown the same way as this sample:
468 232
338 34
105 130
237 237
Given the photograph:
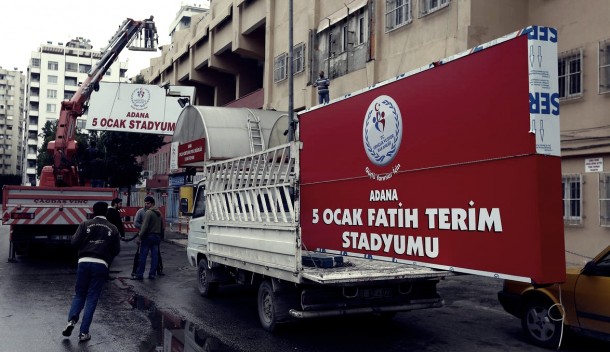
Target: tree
139 79
120 152
44 157
119 149
48 134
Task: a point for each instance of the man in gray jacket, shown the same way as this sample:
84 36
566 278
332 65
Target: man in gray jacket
98 242
149 239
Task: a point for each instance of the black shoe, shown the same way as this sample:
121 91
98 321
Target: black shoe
68 330
135 277
82 337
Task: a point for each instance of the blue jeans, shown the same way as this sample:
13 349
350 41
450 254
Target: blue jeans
323 97
150 243
90 279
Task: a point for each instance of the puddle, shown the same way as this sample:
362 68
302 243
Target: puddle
173 333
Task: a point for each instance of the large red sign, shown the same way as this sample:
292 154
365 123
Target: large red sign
446 173
191 152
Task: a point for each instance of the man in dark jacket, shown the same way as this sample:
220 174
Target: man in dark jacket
98 243
149 239
114 216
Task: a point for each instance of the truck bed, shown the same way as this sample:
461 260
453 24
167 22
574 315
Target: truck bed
358 270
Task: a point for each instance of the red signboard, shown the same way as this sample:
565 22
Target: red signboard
446 173
191 152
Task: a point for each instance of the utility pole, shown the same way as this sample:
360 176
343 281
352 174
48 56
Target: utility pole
291 122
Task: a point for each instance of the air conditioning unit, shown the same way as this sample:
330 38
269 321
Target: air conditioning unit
147 174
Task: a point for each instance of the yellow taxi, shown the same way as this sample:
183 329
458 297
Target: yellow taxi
581 304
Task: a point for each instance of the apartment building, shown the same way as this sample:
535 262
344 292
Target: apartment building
237 55
12 88
54 74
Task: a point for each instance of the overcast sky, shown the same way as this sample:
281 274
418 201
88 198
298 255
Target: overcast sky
25 25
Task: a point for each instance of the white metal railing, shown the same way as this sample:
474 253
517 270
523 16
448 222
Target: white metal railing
257 188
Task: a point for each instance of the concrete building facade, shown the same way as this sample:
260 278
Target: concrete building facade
183 17
54 74
239 51
12 89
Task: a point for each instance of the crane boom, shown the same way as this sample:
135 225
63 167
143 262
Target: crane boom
142 36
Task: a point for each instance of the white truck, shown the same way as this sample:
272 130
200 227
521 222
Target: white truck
386 191
245 229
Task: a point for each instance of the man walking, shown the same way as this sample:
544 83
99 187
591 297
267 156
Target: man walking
323 93
149 239
98 243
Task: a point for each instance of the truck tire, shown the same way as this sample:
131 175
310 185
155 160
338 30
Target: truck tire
206 288
542 329
267 306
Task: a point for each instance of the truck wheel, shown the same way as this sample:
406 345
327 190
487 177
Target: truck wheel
206 288
540 326
267 306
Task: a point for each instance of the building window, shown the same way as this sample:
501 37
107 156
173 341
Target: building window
344 37
572 199
51 93
35 62
604 66
398 13
51 107
70 81
570 74
427 7
71 66
279 68
68 95
52 79
361 28
53 65
81 124
84 68
299 58
108 73
604 199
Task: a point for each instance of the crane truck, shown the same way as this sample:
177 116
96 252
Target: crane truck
50 213
389 190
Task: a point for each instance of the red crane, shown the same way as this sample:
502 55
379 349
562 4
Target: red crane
142 36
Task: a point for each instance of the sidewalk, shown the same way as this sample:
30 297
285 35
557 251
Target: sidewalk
173 236
176 233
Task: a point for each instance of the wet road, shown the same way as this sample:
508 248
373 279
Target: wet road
168 314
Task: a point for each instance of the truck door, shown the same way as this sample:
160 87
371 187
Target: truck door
197 231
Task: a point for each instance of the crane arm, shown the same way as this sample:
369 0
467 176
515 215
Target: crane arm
63 148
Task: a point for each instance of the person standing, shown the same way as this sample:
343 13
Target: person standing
114 216
137 222
149 238
323 93
98 243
